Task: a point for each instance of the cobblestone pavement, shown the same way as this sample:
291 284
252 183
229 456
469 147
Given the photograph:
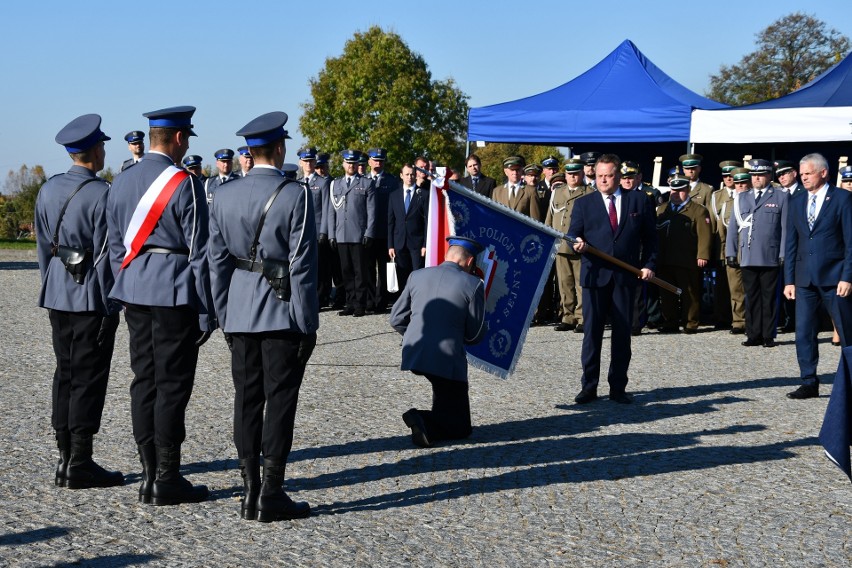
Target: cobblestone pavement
711 465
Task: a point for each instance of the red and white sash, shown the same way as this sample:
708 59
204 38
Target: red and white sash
149 210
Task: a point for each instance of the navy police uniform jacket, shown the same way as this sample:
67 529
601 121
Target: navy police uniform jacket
212 183
384 186
634 242
245 302
441 309
822 256
84 225
352 210
154 279
319 186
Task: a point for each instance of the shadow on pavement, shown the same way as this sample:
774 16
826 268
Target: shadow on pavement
18 265
34 535
116 560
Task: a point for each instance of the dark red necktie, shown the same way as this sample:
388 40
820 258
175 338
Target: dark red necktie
613 216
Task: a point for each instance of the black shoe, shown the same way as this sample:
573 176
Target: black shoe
737 331
359 313
63 443
788 329
690 330
804 391
836 343
752 342
83 472
620 398
148 459
346 312
564 326
250 472
586 396
722 326
578 328
769 342
170 487
414 421
636 331
274 504
667 329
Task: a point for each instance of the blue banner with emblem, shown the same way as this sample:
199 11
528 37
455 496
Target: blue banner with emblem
519 253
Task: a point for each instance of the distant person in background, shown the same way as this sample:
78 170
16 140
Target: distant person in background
192 164
846 178
246 161
136 144
475 179
589 159
407 211
224 167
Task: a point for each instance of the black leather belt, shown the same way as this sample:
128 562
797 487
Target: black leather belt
248 265
163 250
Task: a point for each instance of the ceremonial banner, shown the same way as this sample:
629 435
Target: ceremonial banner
836 432
514 266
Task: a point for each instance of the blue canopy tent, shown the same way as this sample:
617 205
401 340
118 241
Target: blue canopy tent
623 99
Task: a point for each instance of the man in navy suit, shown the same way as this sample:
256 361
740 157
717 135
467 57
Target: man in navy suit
623 225
819 267
407 226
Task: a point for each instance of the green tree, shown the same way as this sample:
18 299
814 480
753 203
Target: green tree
791 52
18 211
107 174
492 156
379 93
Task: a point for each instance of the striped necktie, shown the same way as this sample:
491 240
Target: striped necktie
812 213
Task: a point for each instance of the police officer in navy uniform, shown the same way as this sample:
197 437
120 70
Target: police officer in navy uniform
385 184
318 186
225 173
71 234
351 231
270 324
136 144
756 240
246 161
192 164
589 160
162 278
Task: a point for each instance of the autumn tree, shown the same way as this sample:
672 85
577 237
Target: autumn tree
378 93
791 52
18 210
492 156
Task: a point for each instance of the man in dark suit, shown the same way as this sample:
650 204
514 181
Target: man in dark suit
407 209
385 184
621 224
819 265
271 329
476 180
440 311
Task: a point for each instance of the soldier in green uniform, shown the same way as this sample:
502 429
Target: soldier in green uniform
567 188
721 204
684 236
698 190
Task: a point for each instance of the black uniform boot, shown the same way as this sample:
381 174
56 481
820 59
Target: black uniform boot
63 442
170 487
250 472
148 459
273 504
83 472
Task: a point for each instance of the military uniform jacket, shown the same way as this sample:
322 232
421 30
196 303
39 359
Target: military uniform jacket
721 205
701 194
84 225
542 194
441 309
525 200
245 302
351 210
384 185
318 186
821 256
212 183
683 237
559 212
759 238
154 279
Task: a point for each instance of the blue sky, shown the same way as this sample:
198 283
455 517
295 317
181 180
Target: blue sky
236 60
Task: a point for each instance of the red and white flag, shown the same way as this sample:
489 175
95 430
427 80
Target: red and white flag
440 223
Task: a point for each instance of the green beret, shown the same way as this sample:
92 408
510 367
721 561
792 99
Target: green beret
514 161
691 160
574 165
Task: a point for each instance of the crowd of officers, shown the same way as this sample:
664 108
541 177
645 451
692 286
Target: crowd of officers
183 255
